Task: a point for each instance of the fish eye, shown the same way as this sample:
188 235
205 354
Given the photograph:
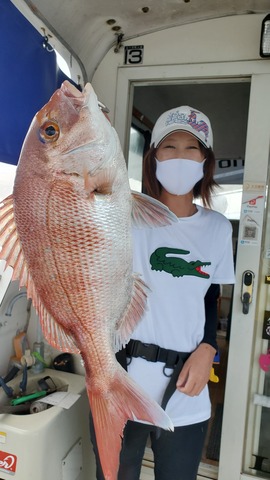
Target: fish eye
49 131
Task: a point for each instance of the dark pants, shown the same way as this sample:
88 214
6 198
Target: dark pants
176 454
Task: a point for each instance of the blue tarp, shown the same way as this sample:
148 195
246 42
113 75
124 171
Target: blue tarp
28 77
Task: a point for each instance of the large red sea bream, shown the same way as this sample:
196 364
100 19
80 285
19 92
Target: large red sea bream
66 231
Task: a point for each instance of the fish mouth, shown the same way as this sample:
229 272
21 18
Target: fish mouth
87 101
96 144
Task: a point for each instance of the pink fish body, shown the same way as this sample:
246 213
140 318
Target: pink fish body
66 231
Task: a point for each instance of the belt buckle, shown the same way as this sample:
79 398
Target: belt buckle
149 352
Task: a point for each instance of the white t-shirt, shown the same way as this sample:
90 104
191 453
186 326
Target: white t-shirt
178 263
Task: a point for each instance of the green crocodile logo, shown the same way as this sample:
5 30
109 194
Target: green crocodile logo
177 267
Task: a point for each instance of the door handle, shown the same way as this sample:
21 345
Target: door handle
247 290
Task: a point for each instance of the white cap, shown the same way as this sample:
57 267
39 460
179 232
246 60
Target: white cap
186 119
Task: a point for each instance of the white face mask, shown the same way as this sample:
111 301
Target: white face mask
178 175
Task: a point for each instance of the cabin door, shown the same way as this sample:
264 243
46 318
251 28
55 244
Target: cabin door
238 104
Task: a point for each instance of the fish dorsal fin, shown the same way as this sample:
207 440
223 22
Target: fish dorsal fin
13 255
149 212
133 314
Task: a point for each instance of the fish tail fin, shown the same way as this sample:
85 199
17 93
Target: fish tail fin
124 401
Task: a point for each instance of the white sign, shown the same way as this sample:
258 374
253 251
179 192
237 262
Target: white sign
252 210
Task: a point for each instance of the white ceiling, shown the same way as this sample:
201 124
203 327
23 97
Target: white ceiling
83 24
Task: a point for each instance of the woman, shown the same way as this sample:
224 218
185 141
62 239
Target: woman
173 347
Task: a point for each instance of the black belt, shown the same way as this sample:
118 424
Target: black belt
153 353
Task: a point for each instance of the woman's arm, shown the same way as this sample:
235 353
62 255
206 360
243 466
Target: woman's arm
196 370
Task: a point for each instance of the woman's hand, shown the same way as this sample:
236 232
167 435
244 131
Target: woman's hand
196 370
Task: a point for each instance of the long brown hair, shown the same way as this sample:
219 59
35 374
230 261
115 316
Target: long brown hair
202 189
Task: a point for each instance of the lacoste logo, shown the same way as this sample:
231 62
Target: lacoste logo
177 267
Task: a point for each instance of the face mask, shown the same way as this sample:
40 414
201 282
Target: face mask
178 175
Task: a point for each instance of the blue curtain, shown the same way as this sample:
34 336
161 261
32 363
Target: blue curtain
28 77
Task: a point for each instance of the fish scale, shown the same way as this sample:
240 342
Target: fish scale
66 231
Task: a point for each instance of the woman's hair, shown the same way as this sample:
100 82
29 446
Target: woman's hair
202 189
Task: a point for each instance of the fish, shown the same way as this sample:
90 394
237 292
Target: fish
66 232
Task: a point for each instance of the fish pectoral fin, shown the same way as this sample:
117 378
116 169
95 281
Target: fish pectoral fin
100 183
149 212
132 315
11 246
